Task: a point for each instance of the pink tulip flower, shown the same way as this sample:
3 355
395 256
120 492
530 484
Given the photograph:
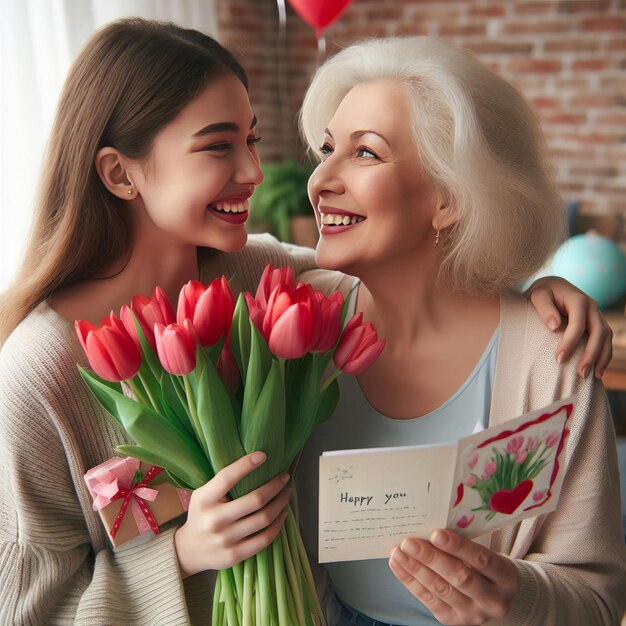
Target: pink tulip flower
490 468
149 311
515 444
465 521
471 481
111 351
553 438
473 460
358 347
176 347
532 444
521 456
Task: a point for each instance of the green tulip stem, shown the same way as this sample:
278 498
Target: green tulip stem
248 587
293 576
329 380
238 574
306 568
154 404
217 616
263 574
229 598
191 401
137 388
280 582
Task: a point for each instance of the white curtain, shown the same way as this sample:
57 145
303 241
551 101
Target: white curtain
38 40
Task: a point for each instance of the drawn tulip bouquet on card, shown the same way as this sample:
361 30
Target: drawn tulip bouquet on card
513 472
197 389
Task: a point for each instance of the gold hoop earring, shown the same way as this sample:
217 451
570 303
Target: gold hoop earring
437 238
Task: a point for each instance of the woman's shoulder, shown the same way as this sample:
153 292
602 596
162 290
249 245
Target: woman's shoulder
41 352
528 350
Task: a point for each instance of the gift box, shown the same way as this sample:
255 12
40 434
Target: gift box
133 498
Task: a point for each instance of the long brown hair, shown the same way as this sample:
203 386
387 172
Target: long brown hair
131 78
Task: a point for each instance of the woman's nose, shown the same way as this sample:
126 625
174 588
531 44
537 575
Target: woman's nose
248 170
325 177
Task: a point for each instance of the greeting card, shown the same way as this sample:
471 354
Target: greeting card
370 499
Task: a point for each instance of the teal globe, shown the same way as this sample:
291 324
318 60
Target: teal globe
595 265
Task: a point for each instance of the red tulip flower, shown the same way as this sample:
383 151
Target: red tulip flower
270 279
176 347
294 320
228 369
188 299
111 351
291 324
209 307
358 347
329 327
149 311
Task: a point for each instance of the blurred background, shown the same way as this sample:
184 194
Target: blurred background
568 57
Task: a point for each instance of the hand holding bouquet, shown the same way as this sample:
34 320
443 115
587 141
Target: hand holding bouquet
218 381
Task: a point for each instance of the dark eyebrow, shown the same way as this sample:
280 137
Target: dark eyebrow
358 133
222 127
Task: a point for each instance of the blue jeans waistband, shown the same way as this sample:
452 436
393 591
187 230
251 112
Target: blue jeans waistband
356 618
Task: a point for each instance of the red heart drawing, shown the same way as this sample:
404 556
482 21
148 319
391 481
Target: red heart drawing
506 501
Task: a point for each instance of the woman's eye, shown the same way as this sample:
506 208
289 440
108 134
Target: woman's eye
218 147
253 140
366 153
326 149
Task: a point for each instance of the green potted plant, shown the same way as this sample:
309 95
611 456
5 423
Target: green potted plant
281 202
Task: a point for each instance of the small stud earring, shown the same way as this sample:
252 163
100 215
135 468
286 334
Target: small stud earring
437 238
130 192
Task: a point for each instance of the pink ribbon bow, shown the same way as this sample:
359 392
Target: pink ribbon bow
115 479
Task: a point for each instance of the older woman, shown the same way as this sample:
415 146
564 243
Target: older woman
433 191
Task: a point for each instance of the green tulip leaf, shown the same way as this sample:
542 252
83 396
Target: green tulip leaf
303 398
174 402
215 413
153 432
265 428
149 356
140 453
240 335
259 364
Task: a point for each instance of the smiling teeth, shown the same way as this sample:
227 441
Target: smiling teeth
229 207
340 220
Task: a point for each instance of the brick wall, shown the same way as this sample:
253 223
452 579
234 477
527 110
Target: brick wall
567 56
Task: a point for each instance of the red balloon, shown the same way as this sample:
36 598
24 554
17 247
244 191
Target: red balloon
319 13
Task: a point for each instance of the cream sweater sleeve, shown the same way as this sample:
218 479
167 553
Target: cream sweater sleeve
51 431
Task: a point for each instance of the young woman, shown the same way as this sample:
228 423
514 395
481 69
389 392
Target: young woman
438 209
150 166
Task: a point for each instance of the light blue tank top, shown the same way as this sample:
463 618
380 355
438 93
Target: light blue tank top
369 585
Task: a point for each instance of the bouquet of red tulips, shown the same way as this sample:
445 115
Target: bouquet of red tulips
219 380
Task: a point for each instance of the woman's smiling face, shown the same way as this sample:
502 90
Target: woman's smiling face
371 198
202 169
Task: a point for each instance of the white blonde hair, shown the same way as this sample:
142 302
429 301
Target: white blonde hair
479 143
